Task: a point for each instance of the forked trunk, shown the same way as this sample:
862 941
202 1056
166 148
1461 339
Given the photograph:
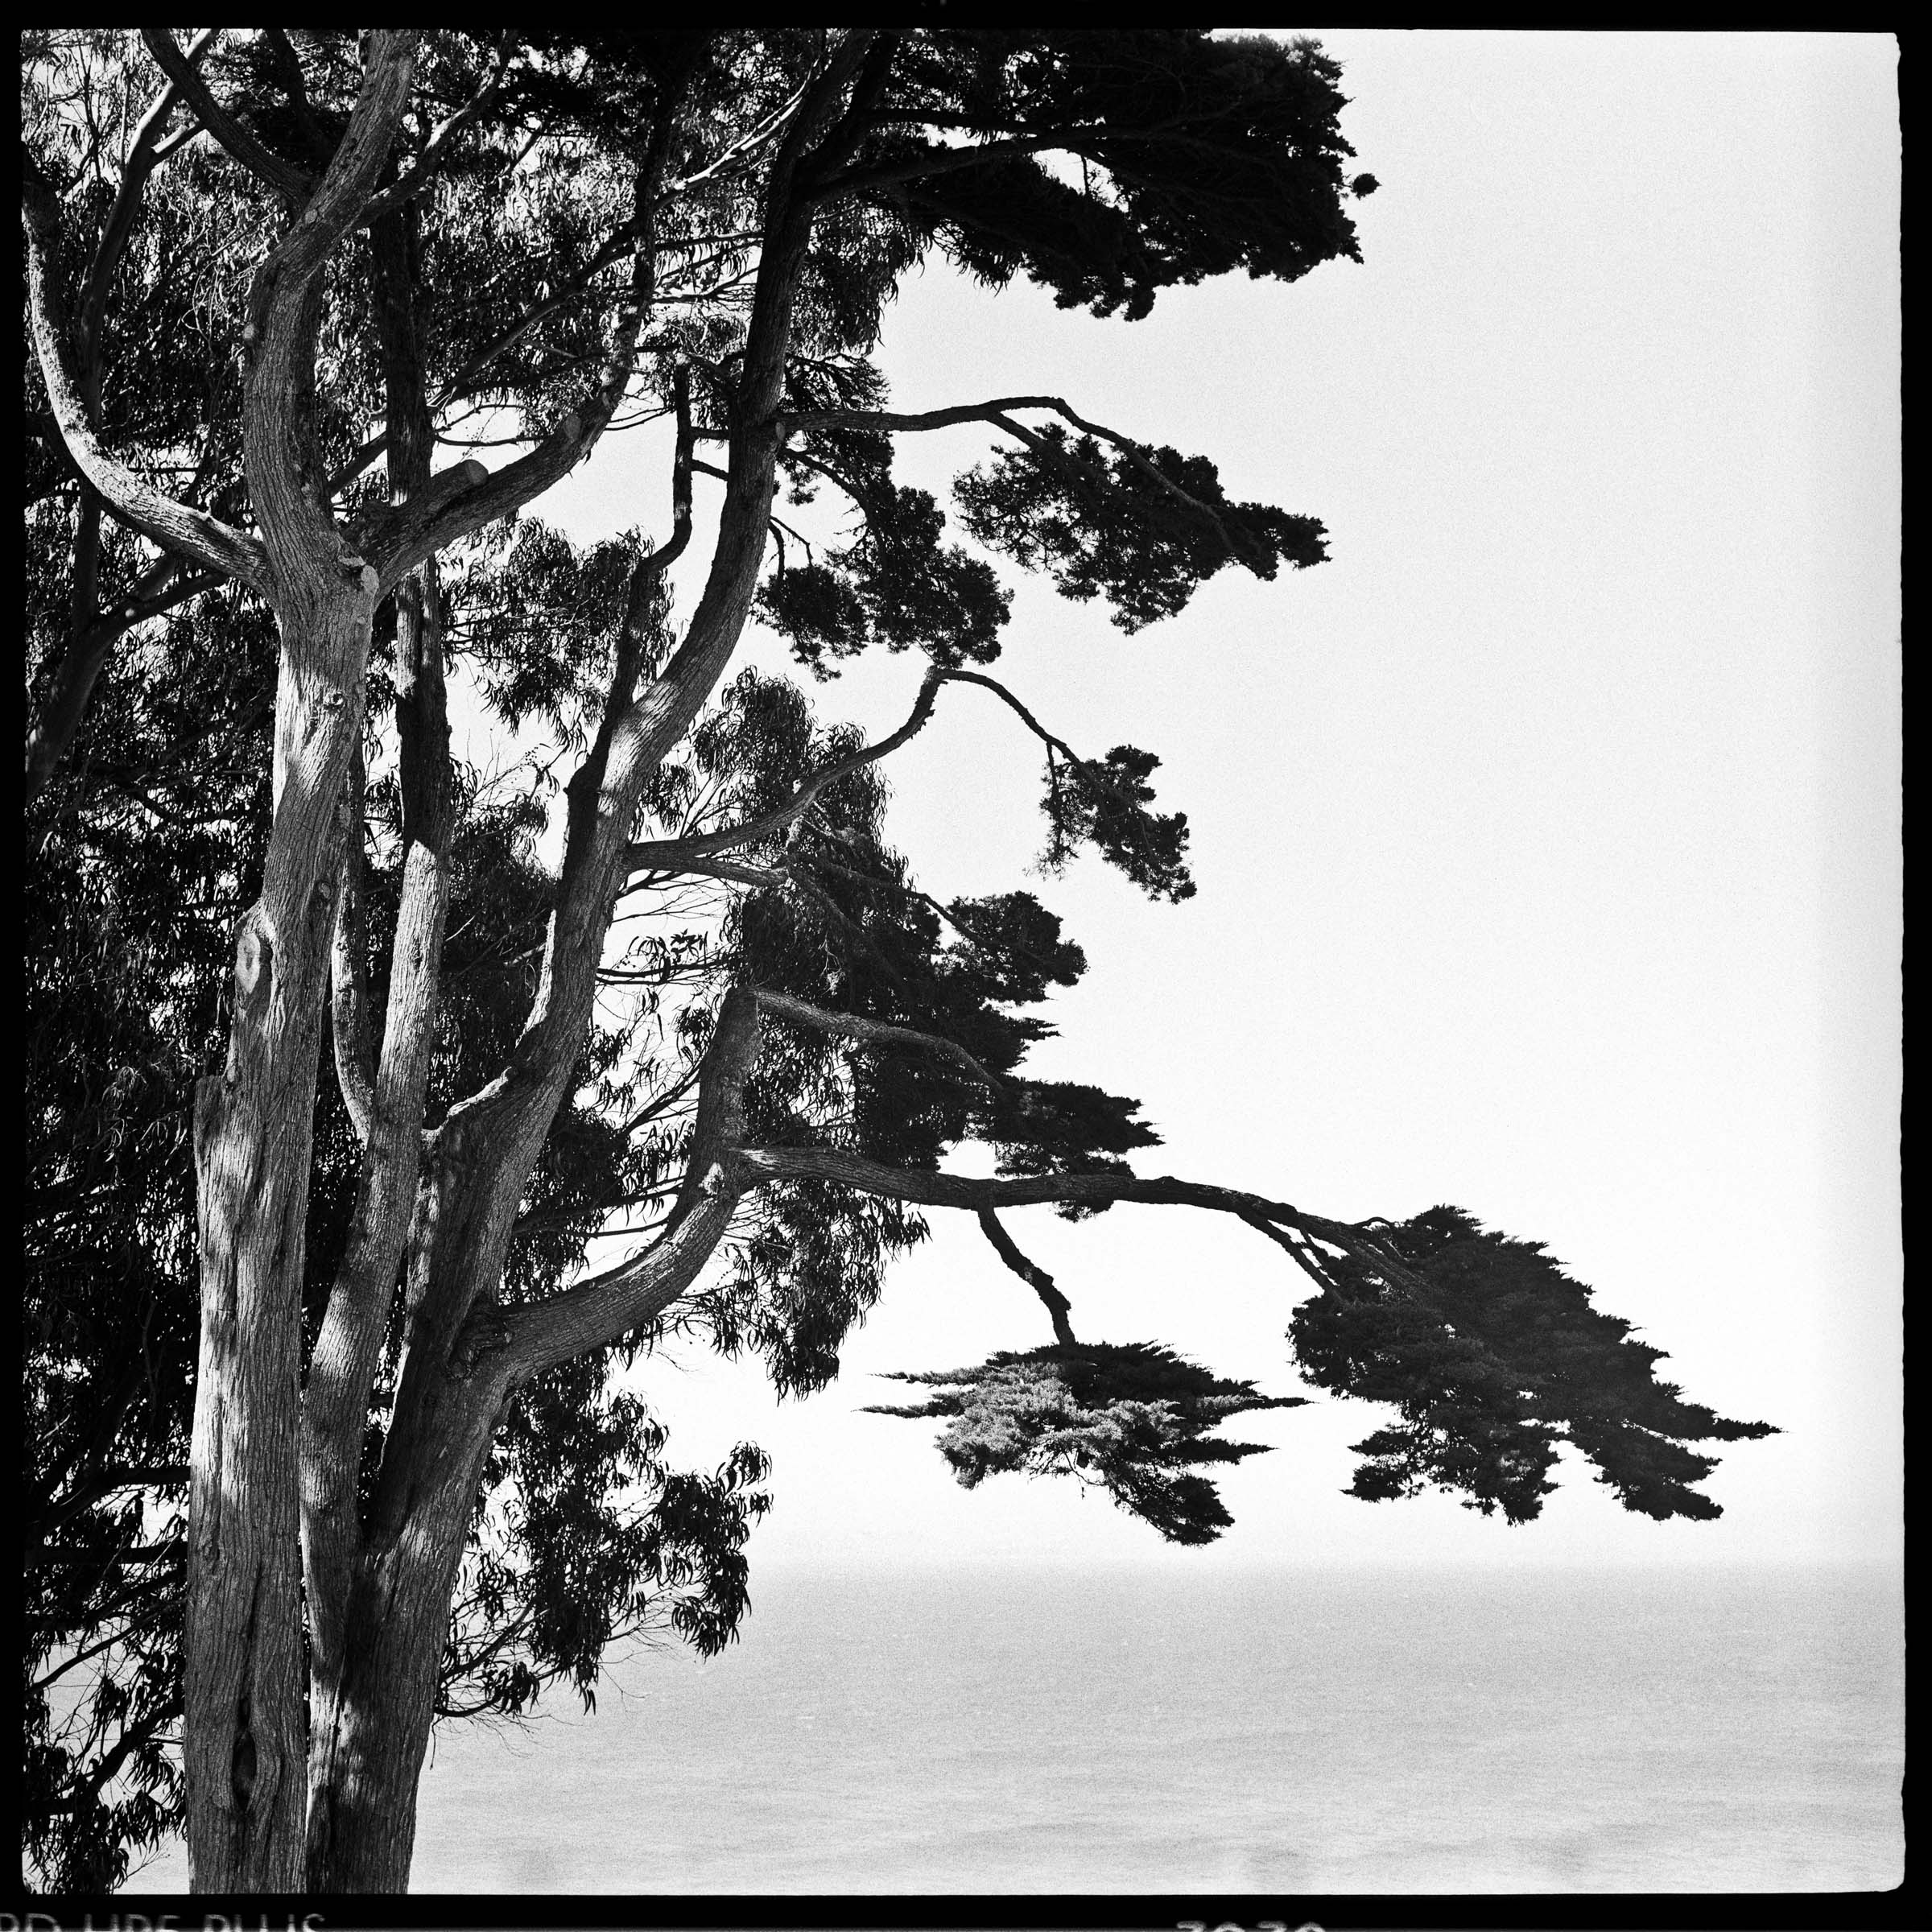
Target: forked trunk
374 1704
244 1749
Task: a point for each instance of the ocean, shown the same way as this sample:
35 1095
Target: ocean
1121 1732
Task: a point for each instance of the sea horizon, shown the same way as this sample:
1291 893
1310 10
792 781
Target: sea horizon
1036 1728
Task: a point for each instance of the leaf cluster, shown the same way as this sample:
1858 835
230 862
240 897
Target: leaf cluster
1143 529
1132 1419
895 582
1190 156
1492 1357
136 864
1105 805
586 1537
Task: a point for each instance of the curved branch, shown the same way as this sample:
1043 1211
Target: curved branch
624 1297
996 412
505 1122
929 1188
1032 1274
429 164
142 155
128 496
745 146
668 854
1096 778
284 479
687 854
406 540
284 177
879 1033
674 547
637 733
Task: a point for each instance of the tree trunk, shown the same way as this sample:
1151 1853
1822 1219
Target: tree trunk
372 1709
243 1721
372 1720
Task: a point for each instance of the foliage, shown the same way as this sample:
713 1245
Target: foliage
1133 1419
584 1537
1143 529
134 872
894 583
1197 156
1492 1357
1103 165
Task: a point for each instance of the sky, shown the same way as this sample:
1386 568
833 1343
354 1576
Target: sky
1546 835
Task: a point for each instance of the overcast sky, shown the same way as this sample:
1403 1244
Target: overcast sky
1546 836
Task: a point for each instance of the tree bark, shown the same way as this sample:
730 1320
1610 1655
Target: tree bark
371 1713
244 1731
368 1631
244 1749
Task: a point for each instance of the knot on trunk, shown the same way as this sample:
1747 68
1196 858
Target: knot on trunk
241 1766
484 1333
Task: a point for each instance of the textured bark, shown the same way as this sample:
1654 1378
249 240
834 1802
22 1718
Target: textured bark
123 492
372 1708
380 1591
372 1619
372 1716
244 1752
244 1734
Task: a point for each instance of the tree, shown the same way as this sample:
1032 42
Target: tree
414 1489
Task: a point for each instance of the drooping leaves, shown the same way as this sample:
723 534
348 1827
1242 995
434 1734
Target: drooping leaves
1494 1359
585 1537
1105 806
895 582
1102 525
1133 1419
539 620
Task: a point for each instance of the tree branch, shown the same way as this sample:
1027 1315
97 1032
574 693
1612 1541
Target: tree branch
624 1298
746 145
194 533
935 161
674 547
1035 1277
350 1024
996 413
931 1189
430 162
348 1346
288 181
403 540
284 477
669 855
142 157
1095 777
879 1033
500 1129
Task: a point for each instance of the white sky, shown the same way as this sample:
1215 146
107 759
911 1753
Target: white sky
1546 836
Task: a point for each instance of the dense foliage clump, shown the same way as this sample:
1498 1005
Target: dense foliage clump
1492 1357
1131 1419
